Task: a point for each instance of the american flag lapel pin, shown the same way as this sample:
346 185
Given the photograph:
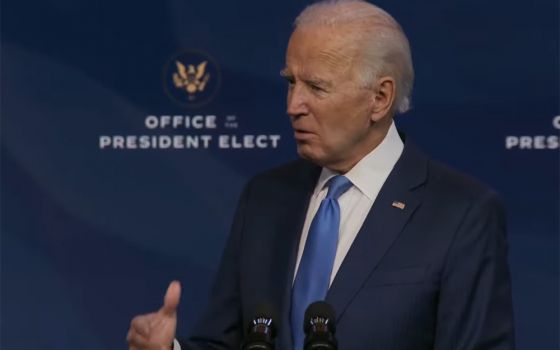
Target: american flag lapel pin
398 204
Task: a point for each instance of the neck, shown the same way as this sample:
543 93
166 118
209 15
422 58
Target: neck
378 133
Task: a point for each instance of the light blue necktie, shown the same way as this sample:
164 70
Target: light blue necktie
315 267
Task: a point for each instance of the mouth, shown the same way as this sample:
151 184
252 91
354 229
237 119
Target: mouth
302 135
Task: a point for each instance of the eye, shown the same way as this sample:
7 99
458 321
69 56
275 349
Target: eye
317 88
290 80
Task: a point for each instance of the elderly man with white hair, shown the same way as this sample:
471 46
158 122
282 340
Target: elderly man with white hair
410 254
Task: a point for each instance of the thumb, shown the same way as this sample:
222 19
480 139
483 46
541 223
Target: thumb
171 299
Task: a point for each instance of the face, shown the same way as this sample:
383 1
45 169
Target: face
330 113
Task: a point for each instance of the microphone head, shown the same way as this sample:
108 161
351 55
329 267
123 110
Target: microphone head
261 330
319 314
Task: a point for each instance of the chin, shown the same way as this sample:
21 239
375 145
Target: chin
307 152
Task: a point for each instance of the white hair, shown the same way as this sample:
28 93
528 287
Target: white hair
383 45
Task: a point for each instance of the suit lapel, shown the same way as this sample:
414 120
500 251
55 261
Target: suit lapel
381 227
290 219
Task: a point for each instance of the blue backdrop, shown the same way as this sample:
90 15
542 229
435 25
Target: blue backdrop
92 233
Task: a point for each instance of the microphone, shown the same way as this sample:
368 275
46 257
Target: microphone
319 327
261 331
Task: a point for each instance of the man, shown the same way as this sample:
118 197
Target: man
410 254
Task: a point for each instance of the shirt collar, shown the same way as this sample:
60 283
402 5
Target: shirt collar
369 174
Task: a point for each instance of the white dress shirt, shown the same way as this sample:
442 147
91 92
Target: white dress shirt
367 177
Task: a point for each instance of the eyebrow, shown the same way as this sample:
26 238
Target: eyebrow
309 80
284 73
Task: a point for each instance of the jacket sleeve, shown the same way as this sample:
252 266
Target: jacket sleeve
221 324
475 308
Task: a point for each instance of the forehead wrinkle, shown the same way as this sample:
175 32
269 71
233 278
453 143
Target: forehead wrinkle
334 59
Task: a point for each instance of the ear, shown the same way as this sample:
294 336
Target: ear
383 98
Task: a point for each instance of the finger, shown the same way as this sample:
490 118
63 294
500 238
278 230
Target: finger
141 325
136 340
171 299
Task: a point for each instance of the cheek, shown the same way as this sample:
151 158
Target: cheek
340 124
346 133
341 121
333 139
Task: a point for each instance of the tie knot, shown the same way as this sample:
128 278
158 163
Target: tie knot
337 186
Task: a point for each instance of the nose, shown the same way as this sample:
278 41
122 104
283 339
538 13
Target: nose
297 102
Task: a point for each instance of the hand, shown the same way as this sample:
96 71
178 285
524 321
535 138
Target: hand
156 330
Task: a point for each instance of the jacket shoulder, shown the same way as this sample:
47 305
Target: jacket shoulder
295 173
455 185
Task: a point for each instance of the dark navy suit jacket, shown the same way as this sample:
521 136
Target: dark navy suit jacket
433 275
